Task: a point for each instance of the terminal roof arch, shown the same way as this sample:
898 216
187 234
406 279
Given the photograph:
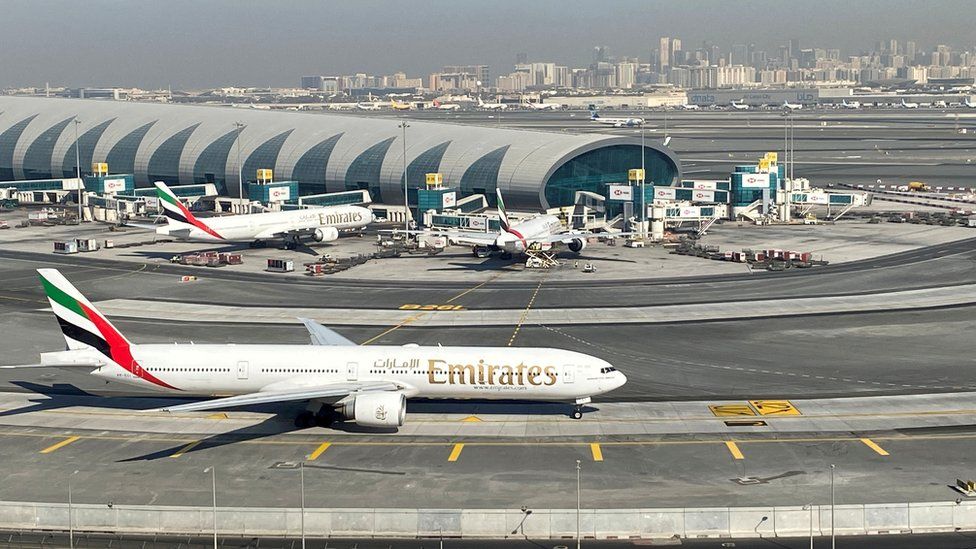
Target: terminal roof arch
211 165
426 162
309 171
265 156
37 160
122 157
86 149
364 171
8 142
164 164
481 177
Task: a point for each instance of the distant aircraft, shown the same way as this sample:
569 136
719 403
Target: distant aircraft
491 106
739 106
691 107
318 224
791 106
367 106
399 106
851 105
544 106
969 104
908 105
446 106
338 379
616 122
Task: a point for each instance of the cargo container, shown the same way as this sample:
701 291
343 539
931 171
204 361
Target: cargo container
87 245
65 247
280 265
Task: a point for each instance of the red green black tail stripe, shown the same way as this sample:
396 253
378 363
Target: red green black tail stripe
175 210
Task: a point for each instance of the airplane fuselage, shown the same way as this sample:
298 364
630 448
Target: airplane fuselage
521 236
263 226
421 372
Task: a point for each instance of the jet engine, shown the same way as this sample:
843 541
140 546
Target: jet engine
376 409
325 234
577 244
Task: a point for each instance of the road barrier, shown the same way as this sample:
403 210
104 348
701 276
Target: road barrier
740 522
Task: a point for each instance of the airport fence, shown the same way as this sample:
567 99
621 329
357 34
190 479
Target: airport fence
790 521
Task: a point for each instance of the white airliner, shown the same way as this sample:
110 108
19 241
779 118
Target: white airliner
491 106
544 106
318 224
542 231
691 107
791 106
367 106
908 105
969 104
739 106
616 122
446 106
851 105
339 379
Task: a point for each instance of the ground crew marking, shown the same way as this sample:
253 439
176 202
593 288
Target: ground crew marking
775 408
59 445
416 307
456 452
319 451
734 450
185 449
874 446
596 451
724 410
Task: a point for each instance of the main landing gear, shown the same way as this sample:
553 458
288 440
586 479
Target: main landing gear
325 417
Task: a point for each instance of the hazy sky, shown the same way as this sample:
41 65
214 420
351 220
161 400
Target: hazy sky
204 43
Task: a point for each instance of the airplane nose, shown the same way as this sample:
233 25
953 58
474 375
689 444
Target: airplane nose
620 381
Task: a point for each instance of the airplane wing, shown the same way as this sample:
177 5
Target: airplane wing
321 335
466 238
290 395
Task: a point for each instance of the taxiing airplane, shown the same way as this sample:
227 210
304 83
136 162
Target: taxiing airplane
739 106
787 106
908 105
367 106
491 106
318 224
851 105
446 106
337 378
544 106
616 122
691 107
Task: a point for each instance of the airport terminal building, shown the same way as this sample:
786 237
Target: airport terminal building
322 152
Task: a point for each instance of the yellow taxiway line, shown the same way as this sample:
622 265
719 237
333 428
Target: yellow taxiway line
456 452
58 446
874 446
734 449
319 451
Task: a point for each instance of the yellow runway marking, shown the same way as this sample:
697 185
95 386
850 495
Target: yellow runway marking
596 451
469 290
874 446
734 449
727 410
456 452
525 313
185 449
59 445
775 407
319 451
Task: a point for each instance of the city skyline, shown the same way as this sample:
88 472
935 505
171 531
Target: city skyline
213 44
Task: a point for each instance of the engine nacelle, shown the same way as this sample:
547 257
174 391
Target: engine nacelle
577 244
325 234
377 409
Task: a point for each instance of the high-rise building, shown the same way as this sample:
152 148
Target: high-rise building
794 50
910 52
893 47
521 58
626 74
739 54
664 54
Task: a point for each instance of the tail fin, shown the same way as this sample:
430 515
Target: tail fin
82 325
594 115
502 214
85 328
177 214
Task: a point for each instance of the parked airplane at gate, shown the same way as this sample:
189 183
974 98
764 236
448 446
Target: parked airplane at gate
908 105
318 224
787 106
542 231
851 105
739 106
337 378
616 122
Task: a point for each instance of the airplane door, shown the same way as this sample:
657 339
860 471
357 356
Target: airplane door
569 374
242 370
352 371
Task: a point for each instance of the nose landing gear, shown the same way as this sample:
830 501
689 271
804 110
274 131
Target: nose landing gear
577 412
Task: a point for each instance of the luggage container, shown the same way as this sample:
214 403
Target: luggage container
232 258
280 266
87 245
65 247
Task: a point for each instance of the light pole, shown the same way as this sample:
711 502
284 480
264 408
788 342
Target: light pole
643 215
577 504
833 539
213 483
81 186
71 519
301 470
406 205
809 506
240 167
